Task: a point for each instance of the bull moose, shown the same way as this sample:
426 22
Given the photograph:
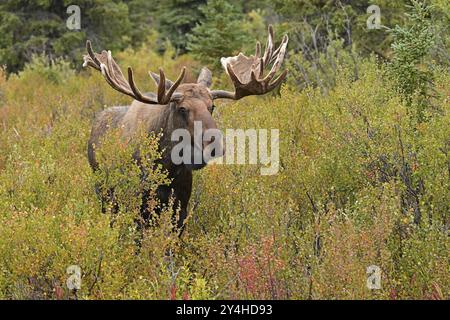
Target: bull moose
178 105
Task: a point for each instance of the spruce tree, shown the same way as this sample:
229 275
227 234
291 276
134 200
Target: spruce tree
176 18
219 34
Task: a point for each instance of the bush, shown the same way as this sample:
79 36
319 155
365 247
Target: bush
57 71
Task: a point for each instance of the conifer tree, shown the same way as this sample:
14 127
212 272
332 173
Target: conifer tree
219 34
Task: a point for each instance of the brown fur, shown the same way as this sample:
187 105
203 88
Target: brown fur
156 118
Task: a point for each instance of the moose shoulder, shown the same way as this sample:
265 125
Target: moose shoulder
178 105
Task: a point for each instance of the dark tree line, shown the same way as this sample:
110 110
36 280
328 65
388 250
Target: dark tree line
206 28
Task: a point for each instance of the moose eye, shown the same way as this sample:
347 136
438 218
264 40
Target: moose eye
183 110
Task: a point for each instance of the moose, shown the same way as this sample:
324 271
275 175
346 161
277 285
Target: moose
179 105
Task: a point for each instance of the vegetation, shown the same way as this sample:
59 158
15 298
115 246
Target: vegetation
218 35
177 18
411 46
364 178
39 27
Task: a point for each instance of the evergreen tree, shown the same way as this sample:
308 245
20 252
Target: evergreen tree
219 34
176 18
142 16
413 43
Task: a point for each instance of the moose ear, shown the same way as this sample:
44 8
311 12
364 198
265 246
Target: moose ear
205 77
156 78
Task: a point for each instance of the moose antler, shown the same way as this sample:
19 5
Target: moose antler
114 76
247 73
